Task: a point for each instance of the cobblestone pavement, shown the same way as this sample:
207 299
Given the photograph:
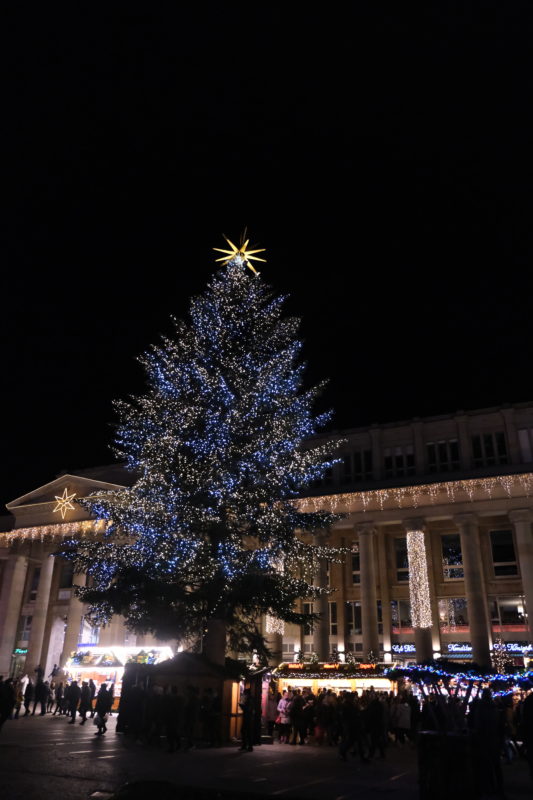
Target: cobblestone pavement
45 757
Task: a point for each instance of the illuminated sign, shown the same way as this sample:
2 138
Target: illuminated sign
295 666
20 651
330 666
459 647
366 666
403 648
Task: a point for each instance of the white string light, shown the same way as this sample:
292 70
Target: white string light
418 580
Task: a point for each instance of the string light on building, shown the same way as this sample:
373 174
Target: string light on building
418 580
274 625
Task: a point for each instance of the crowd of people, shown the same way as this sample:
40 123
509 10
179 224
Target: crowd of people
499 730
184 717
25 696
363 725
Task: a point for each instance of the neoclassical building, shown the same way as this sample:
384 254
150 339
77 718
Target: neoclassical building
437 525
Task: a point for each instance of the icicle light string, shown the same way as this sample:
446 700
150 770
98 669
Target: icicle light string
419 495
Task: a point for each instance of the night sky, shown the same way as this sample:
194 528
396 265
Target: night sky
381 156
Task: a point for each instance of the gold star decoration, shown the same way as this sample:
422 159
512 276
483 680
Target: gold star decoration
64 503
240 254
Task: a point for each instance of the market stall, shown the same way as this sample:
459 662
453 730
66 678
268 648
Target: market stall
351 677
106 664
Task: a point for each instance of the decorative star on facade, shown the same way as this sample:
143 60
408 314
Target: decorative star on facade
64 503
240 254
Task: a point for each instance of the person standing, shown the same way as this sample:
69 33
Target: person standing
247 728
74 695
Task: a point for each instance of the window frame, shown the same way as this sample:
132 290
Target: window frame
496 564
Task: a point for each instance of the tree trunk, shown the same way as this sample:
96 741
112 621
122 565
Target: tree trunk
214 642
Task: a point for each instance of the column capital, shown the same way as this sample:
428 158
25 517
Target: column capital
414 524
467 518
521 515
365 528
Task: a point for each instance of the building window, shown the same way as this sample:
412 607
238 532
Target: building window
288 648
34 584
89 633
399 461
66 575
308 627
489 449
508 614
401 559
333 618
356 563
443 456
525 439
353 618
25 629
357 466
503 553
380 617
401 616
453 614
452 557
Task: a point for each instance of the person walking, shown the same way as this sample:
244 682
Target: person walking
74 695
85 701
29 692
92 689
58 698
40 696
102 708
7 700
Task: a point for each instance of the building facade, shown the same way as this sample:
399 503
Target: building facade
437 528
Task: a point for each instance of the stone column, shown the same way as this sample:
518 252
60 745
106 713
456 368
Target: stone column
321 606
40 613
74 615
114 632
475 589
521 519
11 599
419 594
369 611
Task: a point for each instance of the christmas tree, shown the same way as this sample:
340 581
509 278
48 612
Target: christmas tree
219 445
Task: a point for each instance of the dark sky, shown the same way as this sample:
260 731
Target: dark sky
381 156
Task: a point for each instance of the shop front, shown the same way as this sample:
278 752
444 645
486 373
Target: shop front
339 677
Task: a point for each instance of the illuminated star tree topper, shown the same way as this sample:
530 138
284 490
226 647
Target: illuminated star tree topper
241 254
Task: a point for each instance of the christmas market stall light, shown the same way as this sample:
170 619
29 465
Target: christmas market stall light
339 676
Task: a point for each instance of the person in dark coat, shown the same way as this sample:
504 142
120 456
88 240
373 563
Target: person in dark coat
104 701
247 728
190 716
59 698
28 696
526 728
40 696
74 694
85 701
173 718
92 688
7 700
